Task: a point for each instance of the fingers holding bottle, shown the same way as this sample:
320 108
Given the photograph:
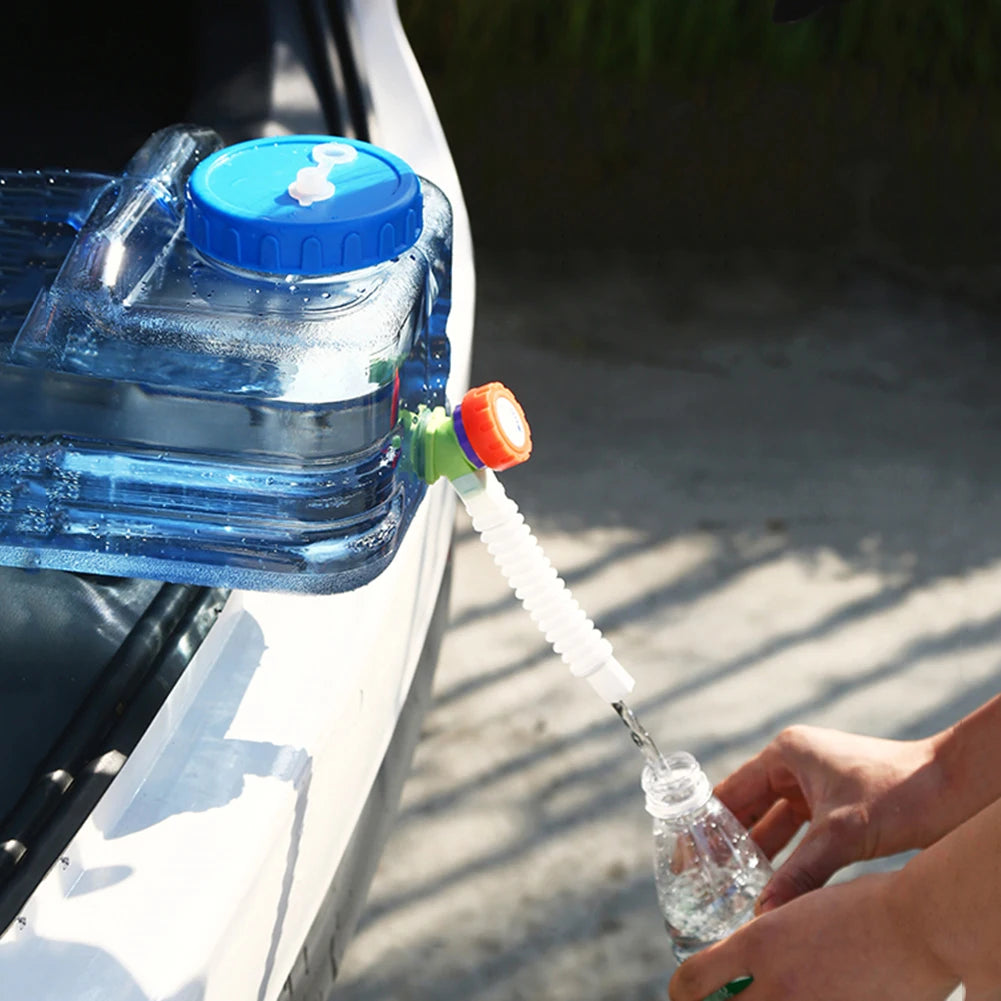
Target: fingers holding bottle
864 797
844 940
831 843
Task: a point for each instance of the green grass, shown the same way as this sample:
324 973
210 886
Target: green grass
940 43
701 123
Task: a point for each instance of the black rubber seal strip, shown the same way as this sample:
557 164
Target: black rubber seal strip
98 740
359 104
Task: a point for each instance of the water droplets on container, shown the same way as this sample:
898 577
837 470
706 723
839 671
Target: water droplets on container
219 368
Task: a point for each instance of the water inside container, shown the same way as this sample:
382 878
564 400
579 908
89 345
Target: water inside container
164 414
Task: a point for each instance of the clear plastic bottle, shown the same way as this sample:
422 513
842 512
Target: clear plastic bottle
707 869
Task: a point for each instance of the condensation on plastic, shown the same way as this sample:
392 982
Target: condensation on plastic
41 212
539 588
163 417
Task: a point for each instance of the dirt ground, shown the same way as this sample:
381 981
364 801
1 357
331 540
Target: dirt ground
774 486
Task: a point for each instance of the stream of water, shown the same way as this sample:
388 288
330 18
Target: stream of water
640 737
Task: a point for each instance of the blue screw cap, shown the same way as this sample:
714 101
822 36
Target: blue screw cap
303 205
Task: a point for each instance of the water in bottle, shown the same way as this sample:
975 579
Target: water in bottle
707 869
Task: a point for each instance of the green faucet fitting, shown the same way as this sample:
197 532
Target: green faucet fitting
436 449
487 429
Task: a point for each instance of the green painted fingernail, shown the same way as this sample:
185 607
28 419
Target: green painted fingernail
731 990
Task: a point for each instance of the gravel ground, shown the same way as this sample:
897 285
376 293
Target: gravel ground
775 489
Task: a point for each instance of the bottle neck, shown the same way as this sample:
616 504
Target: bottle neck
679 789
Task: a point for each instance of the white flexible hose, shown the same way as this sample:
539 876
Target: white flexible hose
539 588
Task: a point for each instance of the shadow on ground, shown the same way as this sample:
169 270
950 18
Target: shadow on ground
773 485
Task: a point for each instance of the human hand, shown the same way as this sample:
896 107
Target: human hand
854 940
862 796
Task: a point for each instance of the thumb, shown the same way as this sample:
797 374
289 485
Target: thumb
821 853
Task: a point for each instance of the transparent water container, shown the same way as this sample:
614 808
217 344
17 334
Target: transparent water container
204 361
